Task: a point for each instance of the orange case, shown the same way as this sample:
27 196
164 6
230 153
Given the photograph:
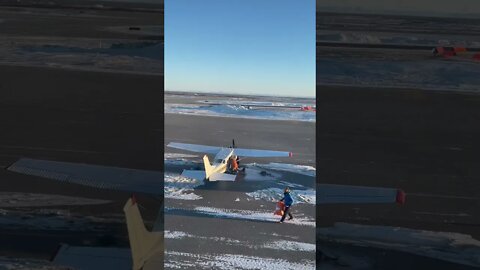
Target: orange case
279 209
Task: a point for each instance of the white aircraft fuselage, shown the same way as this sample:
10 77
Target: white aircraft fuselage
220 161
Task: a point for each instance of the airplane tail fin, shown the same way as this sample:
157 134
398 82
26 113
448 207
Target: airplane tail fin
208 167
143 243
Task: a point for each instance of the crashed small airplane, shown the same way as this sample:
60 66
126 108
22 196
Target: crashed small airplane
216 171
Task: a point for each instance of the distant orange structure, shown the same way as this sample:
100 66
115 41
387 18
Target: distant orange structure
448 51
307 108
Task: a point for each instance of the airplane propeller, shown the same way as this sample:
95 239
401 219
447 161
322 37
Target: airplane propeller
233 146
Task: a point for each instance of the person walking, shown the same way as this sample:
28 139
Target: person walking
287 199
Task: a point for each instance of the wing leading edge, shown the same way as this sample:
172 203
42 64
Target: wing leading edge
195 148
242 152
123 179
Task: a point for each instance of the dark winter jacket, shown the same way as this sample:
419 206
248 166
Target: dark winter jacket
287 198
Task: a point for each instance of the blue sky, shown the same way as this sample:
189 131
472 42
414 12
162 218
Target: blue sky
264 47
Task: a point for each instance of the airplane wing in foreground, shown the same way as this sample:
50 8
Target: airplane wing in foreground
332 194
195 148
93 258
147 247
260 153
146 250
123 179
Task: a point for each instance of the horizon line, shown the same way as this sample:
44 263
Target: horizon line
236 94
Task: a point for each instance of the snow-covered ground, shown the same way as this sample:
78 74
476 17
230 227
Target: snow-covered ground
180 260
291 245
232 250
299 219
257 103
176 235
398 38
274 194
13 212
277 244
84 54
430 74
181 188
239 111
448 246
183 235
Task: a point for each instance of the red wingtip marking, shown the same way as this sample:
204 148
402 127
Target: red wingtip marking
134 199
290 154
401 197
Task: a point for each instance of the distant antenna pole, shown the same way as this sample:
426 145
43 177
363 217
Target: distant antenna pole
233 143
